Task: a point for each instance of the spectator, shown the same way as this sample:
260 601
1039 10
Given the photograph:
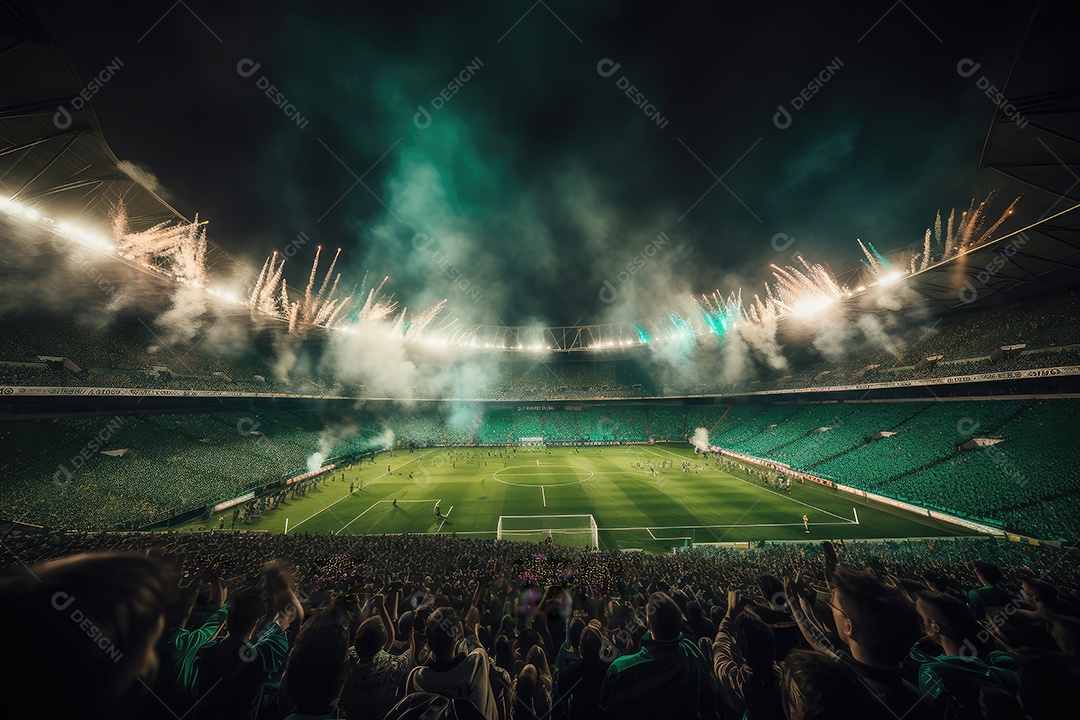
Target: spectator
237 675
179 647
668 677
744 659
568 651
316 667
404 633
583 678
89 625
700 625
374 675
544 682
452 673
776 613
877 626
955 679
990 596
1054 612
528 700
816 687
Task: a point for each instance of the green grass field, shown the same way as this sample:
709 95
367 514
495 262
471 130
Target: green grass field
630 507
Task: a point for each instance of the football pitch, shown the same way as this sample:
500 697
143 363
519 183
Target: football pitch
538 492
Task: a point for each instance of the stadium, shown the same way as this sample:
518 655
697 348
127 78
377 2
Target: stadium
817 492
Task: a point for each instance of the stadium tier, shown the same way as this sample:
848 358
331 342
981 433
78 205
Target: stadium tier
130 353
566 619
113 328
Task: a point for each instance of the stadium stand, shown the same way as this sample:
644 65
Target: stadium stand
568 624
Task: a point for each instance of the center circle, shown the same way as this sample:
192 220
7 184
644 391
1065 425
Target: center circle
527 476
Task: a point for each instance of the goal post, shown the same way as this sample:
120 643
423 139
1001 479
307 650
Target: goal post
572 530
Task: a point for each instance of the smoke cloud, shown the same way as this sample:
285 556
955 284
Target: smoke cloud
700 440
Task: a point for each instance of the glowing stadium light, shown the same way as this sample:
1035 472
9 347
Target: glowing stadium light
811 306
99 242
890 278
224 294
9 205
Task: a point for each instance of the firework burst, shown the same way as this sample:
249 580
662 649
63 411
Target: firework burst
959 234
175 250
321 306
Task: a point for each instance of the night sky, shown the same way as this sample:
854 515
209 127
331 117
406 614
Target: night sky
539 178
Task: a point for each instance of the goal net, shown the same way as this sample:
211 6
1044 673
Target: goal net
572 530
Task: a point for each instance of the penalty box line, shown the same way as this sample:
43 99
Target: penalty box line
444 519
377 502
768 490
327 507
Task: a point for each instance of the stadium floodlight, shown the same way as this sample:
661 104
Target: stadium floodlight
890 278
811 306
223 294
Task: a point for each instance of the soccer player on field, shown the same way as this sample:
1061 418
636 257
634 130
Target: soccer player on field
806 523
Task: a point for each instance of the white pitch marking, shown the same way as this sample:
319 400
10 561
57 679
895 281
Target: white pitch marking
665 527
736 525
439 529
327 507
386 501
684 537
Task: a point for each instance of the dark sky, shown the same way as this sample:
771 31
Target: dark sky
539 179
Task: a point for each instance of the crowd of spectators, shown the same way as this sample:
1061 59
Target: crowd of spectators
250 625
57 472
1021 478
964 342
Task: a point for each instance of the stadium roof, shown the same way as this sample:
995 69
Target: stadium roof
1034 137
53 154
1043 256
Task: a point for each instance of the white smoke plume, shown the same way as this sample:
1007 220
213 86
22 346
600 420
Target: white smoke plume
143 175
700 440
315 461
